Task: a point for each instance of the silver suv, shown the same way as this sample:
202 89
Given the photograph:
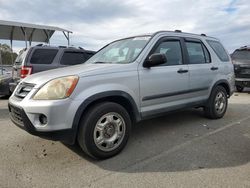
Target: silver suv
127 81
42 57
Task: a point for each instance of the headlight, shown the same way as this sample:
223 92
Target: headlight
58 88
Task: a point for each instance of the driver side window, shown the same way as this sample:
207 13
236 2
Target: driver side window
172 50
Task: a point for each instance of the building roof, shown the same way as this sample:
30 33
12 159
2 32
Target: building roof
10 30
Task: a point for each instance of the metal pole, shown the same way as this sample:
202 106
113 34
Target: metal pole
47 35
12 59
23 29
1 59
68 39
67 36
26 39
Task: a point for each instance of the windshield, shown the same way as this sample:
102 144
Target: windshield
241 54
121 52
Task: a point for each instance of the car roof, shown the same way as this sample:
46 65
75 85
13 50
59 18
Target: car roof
177 33
41 46
185 34
244 48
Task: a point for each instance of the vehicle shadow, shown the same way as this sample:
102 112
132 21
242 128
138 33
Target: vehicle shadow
183 141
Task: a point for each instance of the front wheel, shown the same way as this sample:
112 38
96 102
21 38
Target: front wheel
217 103
104 130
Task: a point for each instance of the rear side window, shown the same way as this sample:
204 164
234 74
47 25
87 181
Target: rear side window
73 58
197 53
219 50
43 56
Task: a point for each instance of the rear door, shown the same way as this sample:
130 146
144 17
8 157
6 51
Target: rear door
164 87
201 69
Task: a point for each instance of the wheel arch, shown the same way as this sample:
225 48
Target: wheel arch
225 84
119 97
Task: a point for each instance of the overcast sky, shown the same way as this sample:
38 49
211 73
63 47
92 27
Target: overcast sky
96 22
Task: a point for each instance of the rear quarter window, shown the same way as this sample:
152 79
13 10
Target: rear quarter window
73 58
43 56
219 50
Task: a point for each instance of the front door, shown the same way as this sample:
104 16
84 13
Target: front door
164 87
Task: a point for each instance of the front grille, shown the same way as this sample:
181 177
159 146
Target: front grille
23 90
16 114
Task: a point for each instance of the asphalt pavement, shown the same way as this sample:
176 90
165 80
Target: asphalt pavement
181 149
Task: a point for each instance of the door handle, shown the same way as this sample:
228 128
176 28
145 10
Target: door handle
181 71
214 68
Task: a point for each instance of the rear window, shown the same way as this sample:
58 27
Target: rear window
43 56
73 58
219 50
241 54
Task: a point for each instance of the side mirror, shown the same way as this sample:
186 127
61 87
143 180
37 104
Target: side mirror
154 60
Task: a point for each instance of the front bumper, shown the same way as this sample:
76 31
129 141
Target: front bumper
243 82
19 118
25 113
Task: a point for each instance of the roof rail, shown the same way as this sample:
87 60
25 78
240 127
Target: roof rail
178 31
246 46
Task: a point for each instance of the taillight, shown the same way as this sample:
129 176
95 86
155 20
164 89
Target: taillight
25 71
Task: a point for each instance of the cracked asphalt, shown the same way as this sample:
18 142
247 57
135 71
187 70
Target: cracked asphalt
181 149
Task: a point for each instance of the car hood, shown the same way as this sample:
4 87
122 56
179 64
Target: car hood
83 70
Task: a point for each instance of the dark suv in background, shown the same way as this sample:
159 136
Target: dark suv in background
41 58
241 61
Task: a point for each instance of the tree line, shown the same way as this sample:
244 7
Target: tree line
8 57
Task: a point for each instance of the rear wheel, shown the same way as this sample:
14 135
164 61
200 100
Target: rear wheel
239 88
104 130
217 103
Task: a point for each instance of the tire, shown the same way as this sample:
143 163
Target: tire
239 88
217 103
104 130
